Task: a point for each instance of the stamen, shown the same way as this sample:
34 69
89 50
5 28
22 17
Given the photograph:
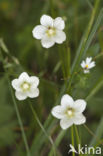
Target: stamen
50 32
86 66
25 86
70 112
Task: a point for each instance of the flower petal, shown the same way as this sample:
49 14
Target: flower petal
79 105
86 71
60 37
91 65
47 42
66 123
83 64
16 84
39 31
79 119
67 101
34 80
33 93
46 20
59 23
88 60
24 77
20 95
58 112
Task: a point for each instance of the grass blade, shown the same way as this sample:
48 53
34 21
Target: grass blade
95 88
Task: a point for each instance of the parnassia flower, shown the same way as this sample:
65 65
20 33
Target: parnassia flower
70 112
88 64
26 86
50 31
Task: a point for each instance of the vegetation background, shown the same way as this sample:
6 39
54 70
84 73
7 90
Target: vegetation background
19 52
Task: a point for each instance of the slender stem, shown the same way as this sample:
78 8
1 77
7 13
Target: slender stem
44 131
15 105
77 135
90 131
80 51
90 5
61 55
57 141
19 120
97 56
72 138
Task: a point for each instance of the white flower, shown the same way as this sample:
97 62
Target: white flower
70 112
26 86
88 64
50 31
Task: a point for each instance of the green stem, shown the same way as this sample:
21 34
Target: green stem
61 55
14 101
90 131
72 138
81 48
41 126
77 136
90 5
57 141
19 120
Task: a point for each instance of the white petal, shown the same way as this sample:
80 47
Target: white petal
39 31
58 112
24 77
86 71
59 23
88 60
91 65
20 95
33 93
16 84
46 20
83 64
67 101
79 119
66 123
47 42
79 105
60 37
34 80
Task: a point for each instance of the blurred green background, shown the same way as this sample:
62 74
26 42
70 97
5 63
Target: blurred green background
17 20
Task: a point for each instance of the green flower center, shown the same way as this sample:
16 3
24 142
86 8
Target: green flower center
25 86
51 32
70 112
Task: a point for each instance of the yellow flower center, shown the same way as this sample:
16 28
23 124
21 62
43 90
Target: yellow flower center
86 66
25 86
50 32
